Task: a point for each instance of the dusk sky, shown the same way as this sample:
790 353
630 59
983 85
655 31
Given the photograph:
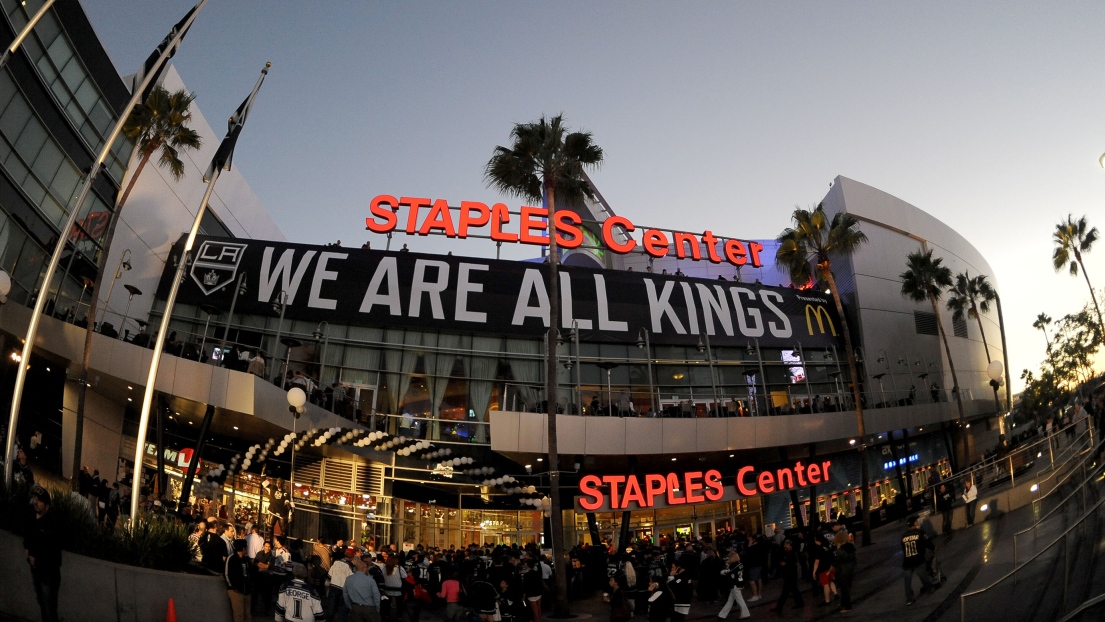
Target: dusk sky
990 116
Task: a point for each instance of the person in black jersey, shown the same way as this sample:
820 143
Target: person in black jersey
788 566
914 546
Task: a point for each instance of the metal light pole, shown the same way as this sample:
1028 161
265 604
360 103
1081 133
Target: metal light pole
709 359
279 304
574 336
23 34
297 400
805 373
208 310
320 334
763 375
643 342
239 288
163 52
124 264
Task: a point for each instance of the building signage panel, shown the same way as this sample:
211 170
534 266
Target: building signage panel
435 292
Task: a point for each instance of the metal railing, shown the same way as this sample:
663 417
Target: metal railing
992 471
1062 539
1080 492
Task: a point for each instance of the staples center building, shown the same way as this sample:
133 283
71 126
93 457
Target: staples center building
694 395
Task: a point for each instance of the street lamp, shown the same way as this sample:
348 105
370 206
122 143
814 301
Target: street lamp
5 286
134 291
296 405
124 264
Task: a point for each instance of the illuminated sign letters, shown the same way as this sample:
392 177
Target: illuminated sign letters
434 216
634 492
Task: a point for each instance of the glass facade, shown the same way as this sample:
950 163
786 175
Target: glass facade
50 130
440 386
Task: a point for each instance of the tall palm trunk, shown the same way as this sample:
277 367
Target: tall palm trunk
93 309
556 519
951 362
1093 296
850 351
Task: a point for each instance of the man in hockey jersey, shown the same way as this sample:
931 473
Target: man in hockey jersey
298 601
915 544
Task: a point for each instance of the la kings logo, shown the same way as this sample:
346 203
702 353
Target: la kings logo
216 265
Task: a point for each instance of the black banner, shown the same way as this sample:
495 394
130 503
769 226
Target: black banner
470 295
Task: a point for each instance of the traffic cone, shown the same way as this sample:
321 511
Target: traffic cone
170 615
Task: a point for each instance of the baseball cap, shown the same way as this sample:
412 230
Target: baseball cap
41 494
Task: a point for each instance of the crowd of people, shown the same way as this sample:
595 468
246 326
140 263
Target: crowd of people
303 582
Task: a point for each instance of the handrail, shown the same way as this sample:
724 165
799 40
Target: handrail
1080 489
1090 455
1013 572
1070 446
1096 600
974 471
1054 471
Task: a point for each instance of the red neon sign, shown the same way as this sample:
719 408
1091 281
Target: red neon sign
530 226
639 492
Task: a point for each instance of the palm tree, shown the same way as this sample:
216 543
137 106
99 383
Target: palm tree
159 125
926 278
809 246
546 159
1073 238
1041 323
973 295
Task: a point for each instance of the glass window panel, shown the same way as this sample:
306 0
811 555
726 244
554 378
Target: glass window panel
65 181
7 90
101 117
73 72
86 94
47 29
91 136
46 164
53 210
35 191
28 265
14 118
16 170
76 115
11 242
31 140
60 52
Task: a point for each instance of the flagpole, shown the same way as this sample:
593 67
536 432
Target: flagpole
159 345
63 236
220 161
23 35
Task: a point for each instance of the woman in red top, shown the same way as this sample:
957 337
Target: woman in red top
451 591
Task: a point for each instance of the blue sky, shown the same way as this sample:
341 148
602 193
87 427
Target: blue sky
989 115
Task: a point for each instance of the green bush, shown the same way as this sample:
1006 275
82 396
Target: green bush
158 544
